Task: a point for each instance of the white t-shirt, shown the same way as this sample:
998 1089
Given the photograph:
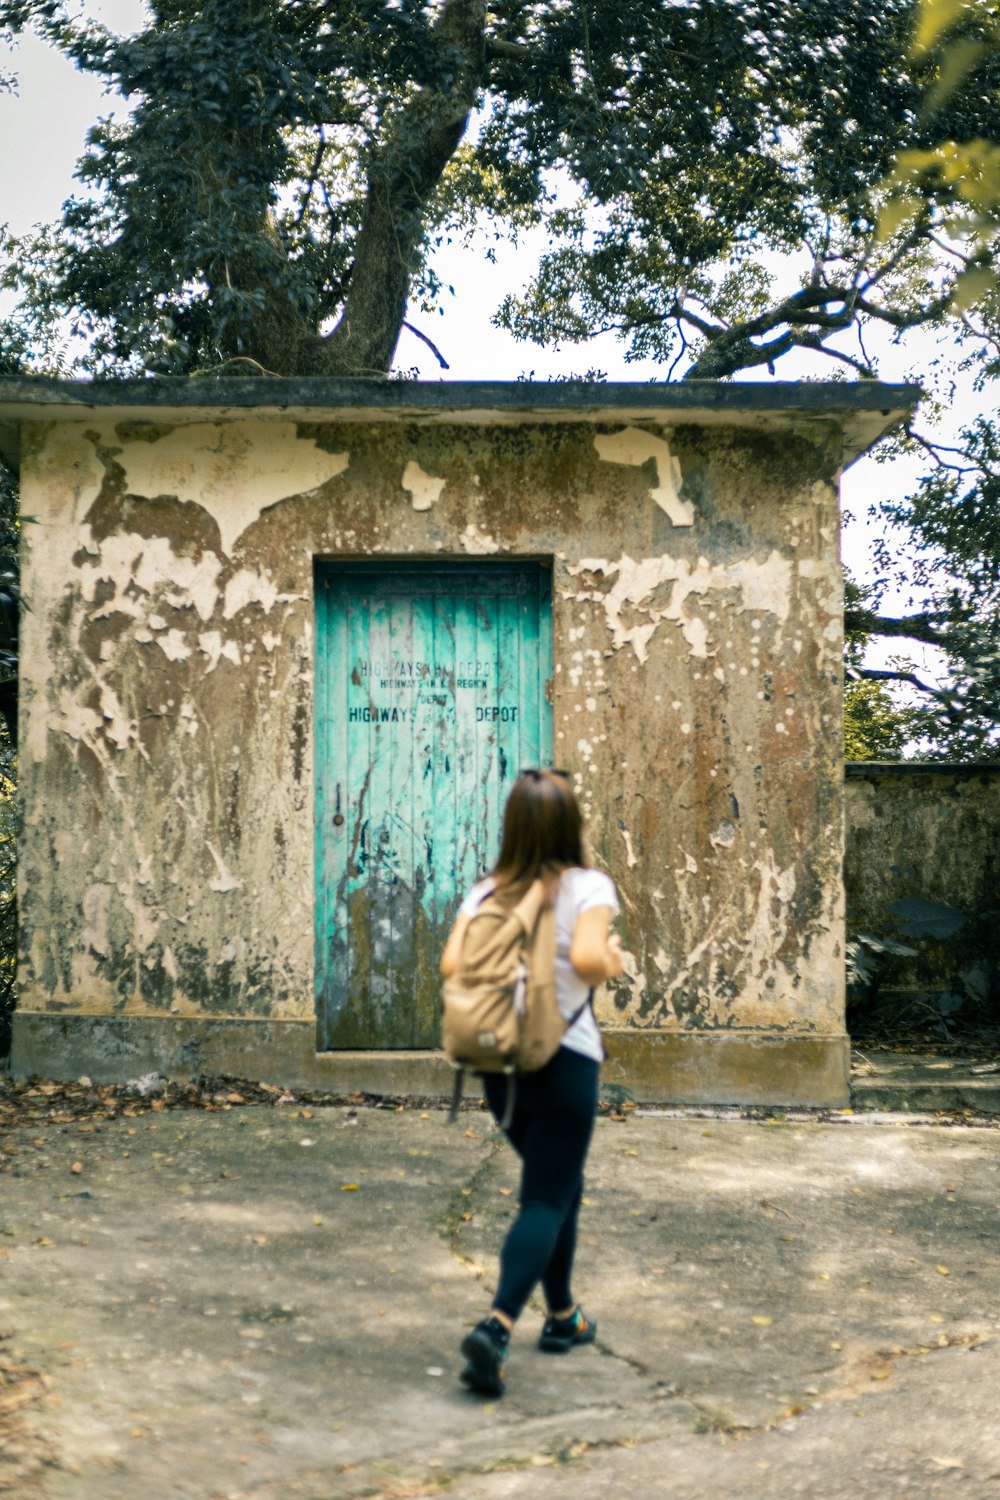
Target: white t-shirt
578 891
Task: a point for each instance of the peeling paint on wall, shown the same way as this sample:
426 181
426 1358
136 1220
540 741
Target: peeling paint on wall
630 857
635 447
478 542
235 470
671 588
168 701
422 488
224 880
127 566
214 647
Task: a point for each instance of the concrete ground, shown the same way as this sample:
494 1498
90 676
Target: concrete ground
266 1302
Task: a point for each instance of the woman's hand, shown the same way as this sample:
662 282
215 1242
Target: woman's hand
616 961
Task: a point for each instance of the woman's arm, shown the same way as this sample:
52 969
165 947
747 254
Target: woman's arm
453 947
596 952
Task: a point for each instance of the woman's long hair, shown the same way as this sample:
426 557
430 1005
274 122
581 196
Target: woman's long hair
542 829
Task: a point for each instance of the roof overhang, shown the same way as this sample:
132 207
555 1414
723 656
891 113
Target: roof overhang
863 411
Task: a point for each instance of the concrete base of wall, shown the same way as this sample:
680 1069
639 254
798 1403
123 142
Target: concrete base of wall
114 1049
652 1067
727 1067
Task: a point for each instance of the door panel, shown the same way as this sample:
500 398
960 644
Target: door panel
430 695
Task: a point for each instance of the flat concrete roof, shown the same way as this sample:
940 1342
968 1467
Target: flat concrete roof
864 410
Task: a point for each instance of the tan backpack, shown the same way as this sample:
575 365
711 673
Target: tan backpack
500 1009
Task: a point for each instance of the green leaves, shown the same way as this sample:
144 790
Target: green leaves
285 158
955 169
935 18
875 726
221 219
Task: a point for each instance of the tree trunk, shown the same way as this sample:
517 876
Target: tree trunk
404 173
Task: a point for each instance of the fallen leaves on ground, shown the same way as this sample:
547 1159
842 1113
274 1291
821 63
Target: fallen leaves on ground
38 1101
45 1102
981 1043
24 1455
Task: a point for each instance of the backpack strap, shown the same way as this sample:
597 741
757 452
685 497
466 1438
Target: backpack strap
489 889
511 1099
588 1004
529 908
456 1097
508 1111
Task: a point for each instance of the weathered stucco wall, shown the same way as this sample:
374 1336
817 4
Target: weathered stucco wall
932 832
167 754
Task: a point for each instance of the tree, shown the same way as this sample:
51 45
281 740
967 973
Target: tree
876 727
963 175
950 566
289 166
951 560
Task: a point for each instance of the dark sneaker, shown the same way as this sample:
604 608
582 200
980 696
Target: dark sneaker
560 1334
485 1348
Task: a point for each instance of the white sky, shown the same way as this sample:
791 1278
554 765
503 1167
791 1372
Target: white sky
43 129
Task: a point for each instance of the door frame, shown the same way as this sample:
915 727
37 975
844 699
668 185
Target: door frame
325 730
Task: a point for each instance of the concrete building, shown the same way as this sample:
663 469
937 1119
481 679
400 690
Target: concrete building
290 640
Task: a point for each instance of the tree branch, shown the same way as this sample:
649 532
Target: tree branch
496 47
936 449
730 348
923 627
912 319
813 341
887 267
431 346
680 353
871 674
404 174
950 250
317 162
985 334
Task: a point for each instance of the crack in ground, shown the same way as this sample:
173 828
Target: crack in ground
458 1210
879 1364
402 1478
563 1456
415 1478
631 1363
868 1374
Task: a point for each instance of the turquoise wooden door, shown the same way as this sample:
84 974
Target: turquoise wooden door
430 696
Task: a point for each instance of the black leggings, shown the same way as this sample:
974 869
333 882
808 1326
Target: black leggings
550 1131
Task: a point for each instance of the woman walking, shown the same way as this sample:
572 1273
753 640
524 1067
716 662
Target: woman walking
554 1109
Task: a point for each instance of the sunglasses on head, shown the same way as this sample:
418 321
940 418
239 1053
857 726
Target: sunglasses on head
535 774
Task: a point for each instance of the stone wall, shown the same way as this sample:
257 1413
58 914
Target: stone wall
930 831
